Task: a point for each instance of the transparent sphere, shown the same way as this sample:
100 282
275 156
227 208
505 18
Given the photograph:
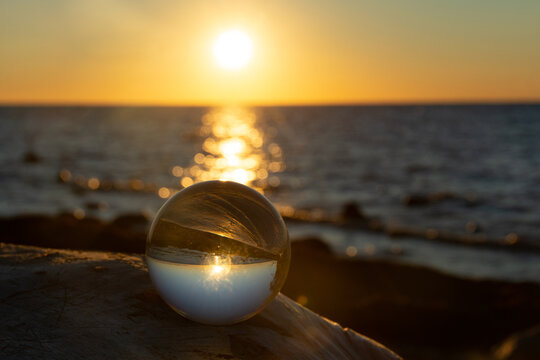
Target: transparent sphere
218 252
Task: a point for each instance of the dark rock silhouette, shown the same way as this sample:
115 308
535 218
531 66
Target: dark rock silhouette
524 345
410 307
404 306
437 197
351 211
61 304
31 157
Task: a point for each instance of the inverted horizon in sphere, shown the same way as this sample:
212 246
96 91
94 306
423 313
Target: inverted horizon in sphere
192 290
218 252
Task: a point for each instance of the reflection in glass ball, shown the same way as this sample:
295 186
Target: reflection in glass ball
218 252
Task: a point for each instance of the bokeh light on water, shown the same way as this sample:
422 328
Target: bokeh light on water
105 162
233 145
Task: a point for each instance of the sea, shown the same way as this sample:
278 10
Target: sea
468 170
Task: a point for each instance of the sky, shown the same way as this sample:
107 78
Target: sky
304 52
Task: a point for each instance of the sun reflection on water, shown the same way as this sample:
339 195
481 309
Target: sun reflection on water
234 148
219 266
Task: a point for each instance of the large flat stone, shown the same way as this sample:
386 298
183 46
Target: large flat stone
64 304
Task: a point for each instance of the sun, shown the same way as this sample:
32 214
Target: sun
233 50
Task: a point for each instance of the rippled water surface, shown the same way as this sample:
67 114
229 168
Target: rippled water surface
481 164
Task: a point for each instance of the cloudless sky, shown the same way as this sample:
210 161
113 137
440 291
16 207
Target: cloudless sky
305 52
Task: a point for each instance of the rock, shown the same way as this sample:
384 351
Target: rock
472 227
421 199
31 157
311 246
468 199
96 205
126 234
524 345
352 216
66 304
406 306
351 211
132 221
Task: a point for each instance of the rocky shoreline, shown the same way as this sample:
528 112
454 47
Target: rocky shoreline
65 304
419 312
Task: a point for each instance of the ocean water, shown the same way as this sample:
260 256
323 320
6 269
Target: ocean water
479 167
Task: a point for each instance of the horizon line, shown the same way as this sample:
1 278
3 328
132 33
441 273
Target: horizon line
292 104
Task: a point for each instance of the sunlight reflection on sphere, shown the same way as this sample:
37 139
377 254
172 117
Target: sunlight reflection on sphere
218 252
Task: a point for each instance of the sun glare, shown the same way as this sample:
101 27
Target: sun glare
219 266
233 49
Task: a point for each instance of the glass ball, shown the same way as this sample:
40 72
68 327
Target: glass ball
218 252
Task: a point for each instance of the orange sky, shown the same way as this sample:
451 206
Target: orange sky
305 52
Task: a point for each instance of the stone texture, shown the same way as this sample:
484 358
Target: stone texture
65 304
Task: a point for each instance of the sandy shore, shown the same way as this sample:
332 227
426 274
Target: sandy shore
419 312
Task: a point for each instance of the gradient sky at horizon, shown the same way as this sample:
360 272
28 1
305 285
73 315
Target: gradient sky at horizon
305 52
